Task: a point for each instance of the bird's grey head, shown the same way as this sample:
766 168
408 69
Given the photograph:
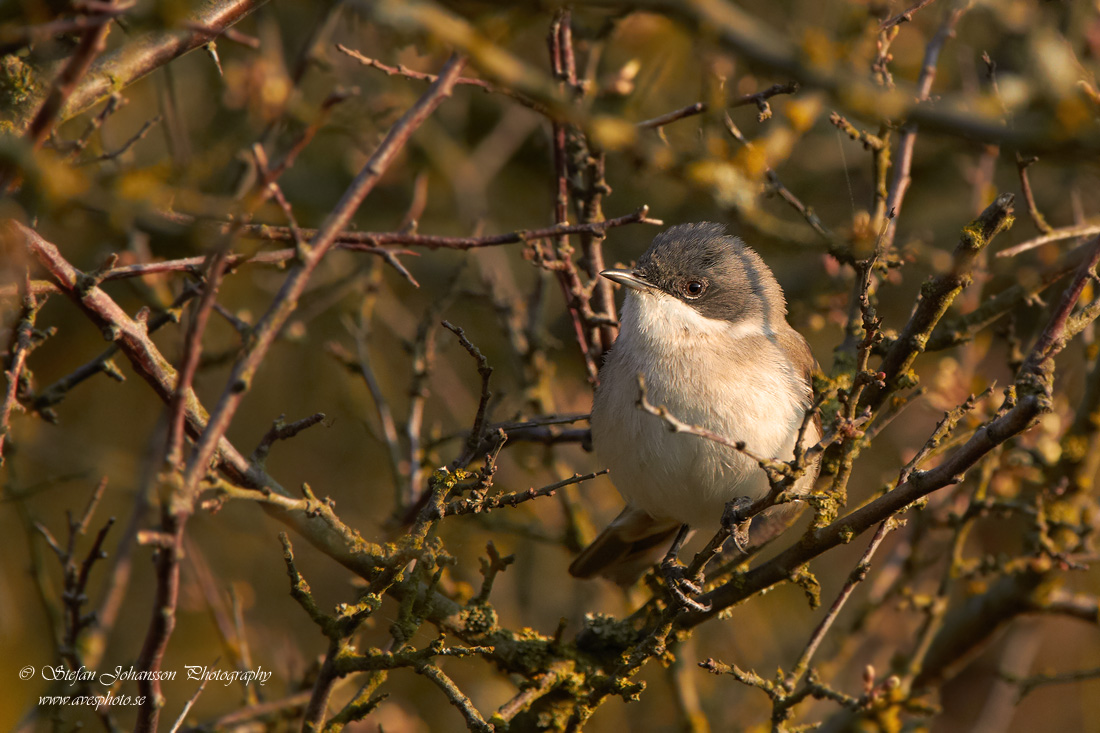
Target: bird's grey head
712 272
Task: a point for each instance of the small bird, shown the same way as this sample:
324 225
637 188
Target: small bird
704 323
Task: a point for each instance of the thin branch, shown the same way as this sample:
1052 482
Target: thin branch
464 506
903 17
760 99
908 137
855 578
282 431
487 87
368 241
938 294
1056 235
134 140
474 720
1022 164
1027 685
485 371
21 344
192 351
92 43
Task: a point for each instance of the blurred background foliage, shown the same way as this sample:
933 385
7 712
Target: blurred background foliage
483 164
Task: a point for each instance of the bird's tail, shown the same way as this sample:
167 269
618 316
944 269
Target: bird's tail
630 545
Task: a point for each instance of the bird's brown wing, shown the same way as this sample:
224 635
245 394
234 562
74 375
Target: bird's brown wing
626 548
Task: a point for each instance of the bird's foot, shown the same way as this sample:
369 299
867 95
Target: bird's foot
680 587
733 520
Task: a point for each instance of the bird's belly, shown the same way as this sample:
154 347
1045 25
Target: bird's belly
686 477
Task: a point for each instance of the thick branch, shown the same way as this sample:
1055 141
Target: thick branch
142 56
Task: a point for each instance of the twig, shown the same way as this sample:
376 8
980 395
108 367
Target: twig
1027 685
192 351
282 431
541 686
92 43
114 103
855 578
134 140
1055 235
53 394
362 240
903 17
485 371
163 621
474 721
116 70
939 293
487 87
314 520
835 248
21 343
1022 164
463 506
578 302
908 137
188 705
776 470
760 99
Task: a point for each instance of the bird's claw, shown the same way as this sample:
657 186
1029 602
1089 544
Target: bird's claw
681 588
733 521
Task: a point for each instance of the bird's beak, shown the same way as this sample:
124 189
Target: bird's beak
629 279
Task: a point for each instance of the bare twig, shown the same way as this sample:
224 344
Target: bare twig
1037 218
760 99
484 371
134 140
464 506
903 17
1055 235
192 351
908 137
17 359
855 578
939 293
282 431
402 70
367 241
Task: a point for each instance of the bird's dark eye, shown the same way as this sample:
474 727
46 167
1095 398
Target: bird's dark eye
694 288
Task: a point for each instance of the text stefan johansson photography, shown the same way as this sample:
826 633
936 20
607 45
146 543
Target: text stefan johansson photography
200 673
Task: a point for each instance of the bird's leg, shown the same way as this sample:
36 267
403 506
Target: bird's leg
734 522
678 585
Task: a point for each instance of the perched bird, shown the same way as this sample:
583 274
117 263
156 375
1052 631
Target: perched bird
705 323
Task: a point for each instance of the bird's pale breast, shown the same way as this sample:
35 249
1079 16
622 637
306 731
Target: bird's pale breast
698 369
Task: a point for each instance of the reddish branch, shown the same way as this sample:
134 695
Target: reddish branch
908 138
92 43
192 350
564 67
487 87
20 346
373 241
145 54
760 99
